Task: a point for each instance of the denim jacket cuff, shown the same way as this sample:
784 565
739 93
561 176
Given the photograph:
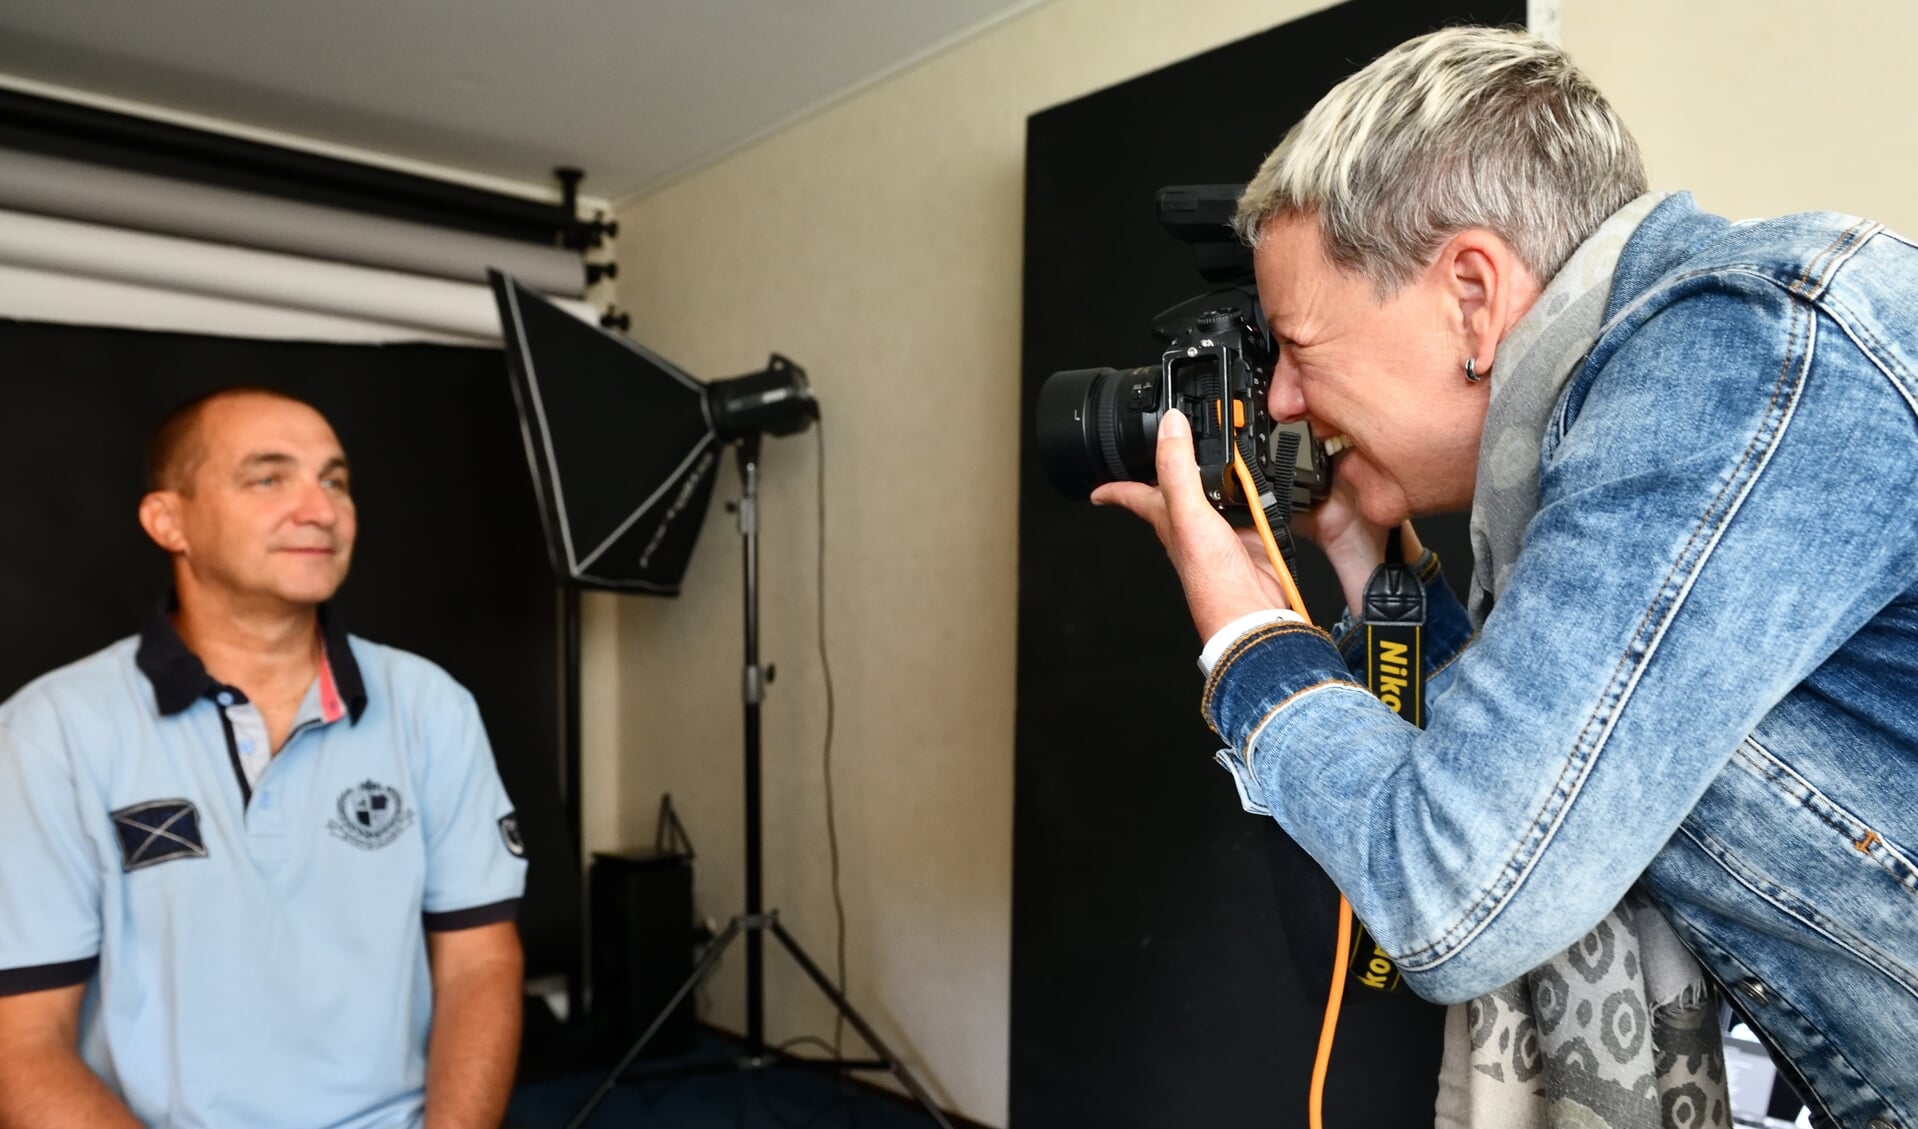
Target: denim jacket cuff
1265 670
1345 636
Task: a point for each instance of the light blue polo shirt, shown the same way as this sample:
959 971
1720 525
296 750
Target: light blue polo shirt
250 927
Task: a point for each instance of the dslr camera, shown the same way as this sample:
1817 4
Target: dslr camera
1099 425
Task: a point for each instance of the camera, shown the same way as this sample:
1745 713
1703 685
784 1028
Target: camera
1099 425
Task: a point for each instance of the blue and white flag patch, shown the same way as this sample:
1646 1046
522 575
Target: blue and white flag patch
158 831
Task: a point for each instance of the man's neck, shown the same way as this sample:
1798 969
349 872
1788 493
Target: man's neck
269 649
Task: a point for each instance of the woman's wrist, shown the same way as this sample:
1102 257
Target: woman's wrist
1355 558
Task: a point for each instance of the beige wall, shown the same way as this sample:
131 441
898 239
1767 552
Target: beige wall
878 243
1763 107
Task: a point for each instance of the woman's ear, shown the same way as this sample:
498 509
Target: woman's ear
1488 289
160 517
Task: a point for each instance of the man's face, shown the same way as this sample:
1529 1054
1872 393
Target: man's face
1387 376
269 513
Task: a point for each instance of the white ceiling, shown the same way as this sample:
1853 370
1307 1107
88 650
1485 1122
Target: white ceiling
633 91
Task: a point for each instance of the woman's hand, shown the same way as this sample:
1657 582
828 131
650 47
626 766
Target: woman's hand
1224 576
1354 545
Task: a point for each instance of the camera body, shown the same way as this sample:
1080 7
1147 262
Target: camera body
1101 425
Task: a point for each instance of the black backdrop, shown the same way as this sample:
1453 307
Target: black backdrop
450 562
1170 953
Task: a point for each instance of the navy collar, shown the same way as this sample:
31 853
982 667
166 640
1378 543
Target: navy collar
179 677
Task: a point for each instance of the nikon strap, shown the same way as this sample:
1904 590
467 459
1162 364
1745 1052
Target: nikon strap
1394 623
1393 620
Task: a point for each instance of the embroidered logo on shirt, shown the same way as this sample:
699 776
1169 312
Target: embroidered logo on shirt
509 833
158 831
371 815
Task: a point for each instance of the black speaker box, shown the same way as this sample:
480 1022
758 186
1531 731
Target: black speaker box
643 930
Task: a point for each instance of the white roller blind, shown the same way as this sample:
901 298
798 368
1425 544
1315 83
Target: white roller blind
74 190
49 296
91 274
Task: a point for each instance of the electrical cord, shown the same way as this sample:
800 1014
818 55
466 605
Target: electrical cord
835 1047
796 1040
1321 1063
832 814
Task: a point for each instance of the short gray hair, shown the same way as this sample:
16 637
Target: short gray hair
1470 127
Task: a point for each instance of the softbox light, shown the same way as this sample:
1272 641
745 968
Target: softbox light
623 444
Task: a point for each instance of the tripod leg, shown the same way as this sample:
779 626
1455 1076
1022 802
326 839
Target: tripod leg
705 965
860 1025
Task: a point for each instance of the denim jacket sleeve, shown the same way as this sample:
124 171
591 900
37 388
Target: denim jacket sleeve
1729 490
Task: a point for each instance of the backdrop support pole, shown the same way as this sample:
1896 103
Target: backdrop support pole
752 693
569 782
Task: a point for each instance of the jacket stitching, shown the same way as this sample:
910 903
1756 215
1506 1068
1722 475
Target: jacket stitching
1791 905
1871 346
1819 272
1492 899
1784 778
1252 738
1801 284
1246 642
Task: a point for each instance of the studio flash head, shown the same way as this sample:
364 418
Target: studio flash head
624 445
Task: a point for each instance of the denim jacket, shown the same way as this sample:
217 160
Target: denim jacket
1702 675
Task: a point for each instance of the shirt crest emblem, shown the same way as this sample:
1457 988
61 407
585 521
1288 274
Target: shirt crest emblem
371 815
510 835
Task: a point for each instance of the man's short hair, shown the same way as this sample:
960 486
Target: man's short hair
176 449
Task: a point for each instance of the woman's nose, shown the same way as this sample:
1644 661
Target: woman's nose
1285 402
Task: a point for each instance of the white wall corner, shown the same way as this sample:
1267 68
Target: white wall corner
1542 17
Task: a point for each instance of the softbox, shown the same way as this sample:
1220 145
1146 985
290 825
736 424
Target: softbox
623 444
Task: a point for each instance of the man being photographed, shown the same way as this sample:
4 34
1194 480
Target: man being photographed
253 871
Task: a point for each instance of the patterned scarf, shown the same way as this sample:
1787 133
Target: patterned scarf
1621 1030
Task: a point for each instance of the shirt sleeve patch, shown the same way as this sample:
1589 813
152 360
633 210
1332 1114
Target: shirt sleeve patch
158 831
509 834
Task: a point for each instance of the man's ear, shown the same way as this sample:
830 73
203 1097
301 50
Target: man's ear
160 517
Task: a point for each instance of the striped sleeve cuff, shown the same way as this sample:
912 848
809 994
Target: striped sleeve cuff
490 914
42 977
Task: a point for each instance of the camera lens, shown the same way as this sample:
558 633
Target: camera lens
1098 425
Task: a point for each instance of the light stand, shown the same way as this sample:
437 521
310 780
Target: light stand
756 921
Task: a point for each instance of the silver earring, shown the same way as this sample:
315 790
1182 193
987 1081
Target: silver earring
1472 375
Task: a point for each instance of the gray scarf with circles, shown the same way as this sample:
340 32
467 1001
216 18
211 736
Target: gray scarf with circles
1621 1030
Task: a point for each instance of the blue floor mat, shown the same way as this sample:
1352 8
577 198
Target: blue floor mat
776 1098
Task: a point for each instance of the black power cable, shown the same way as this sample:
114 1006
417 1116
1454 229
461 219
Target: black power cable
832 818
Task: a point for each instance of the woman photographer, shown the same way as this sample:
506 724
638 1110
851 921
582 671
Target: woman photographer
1672 738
